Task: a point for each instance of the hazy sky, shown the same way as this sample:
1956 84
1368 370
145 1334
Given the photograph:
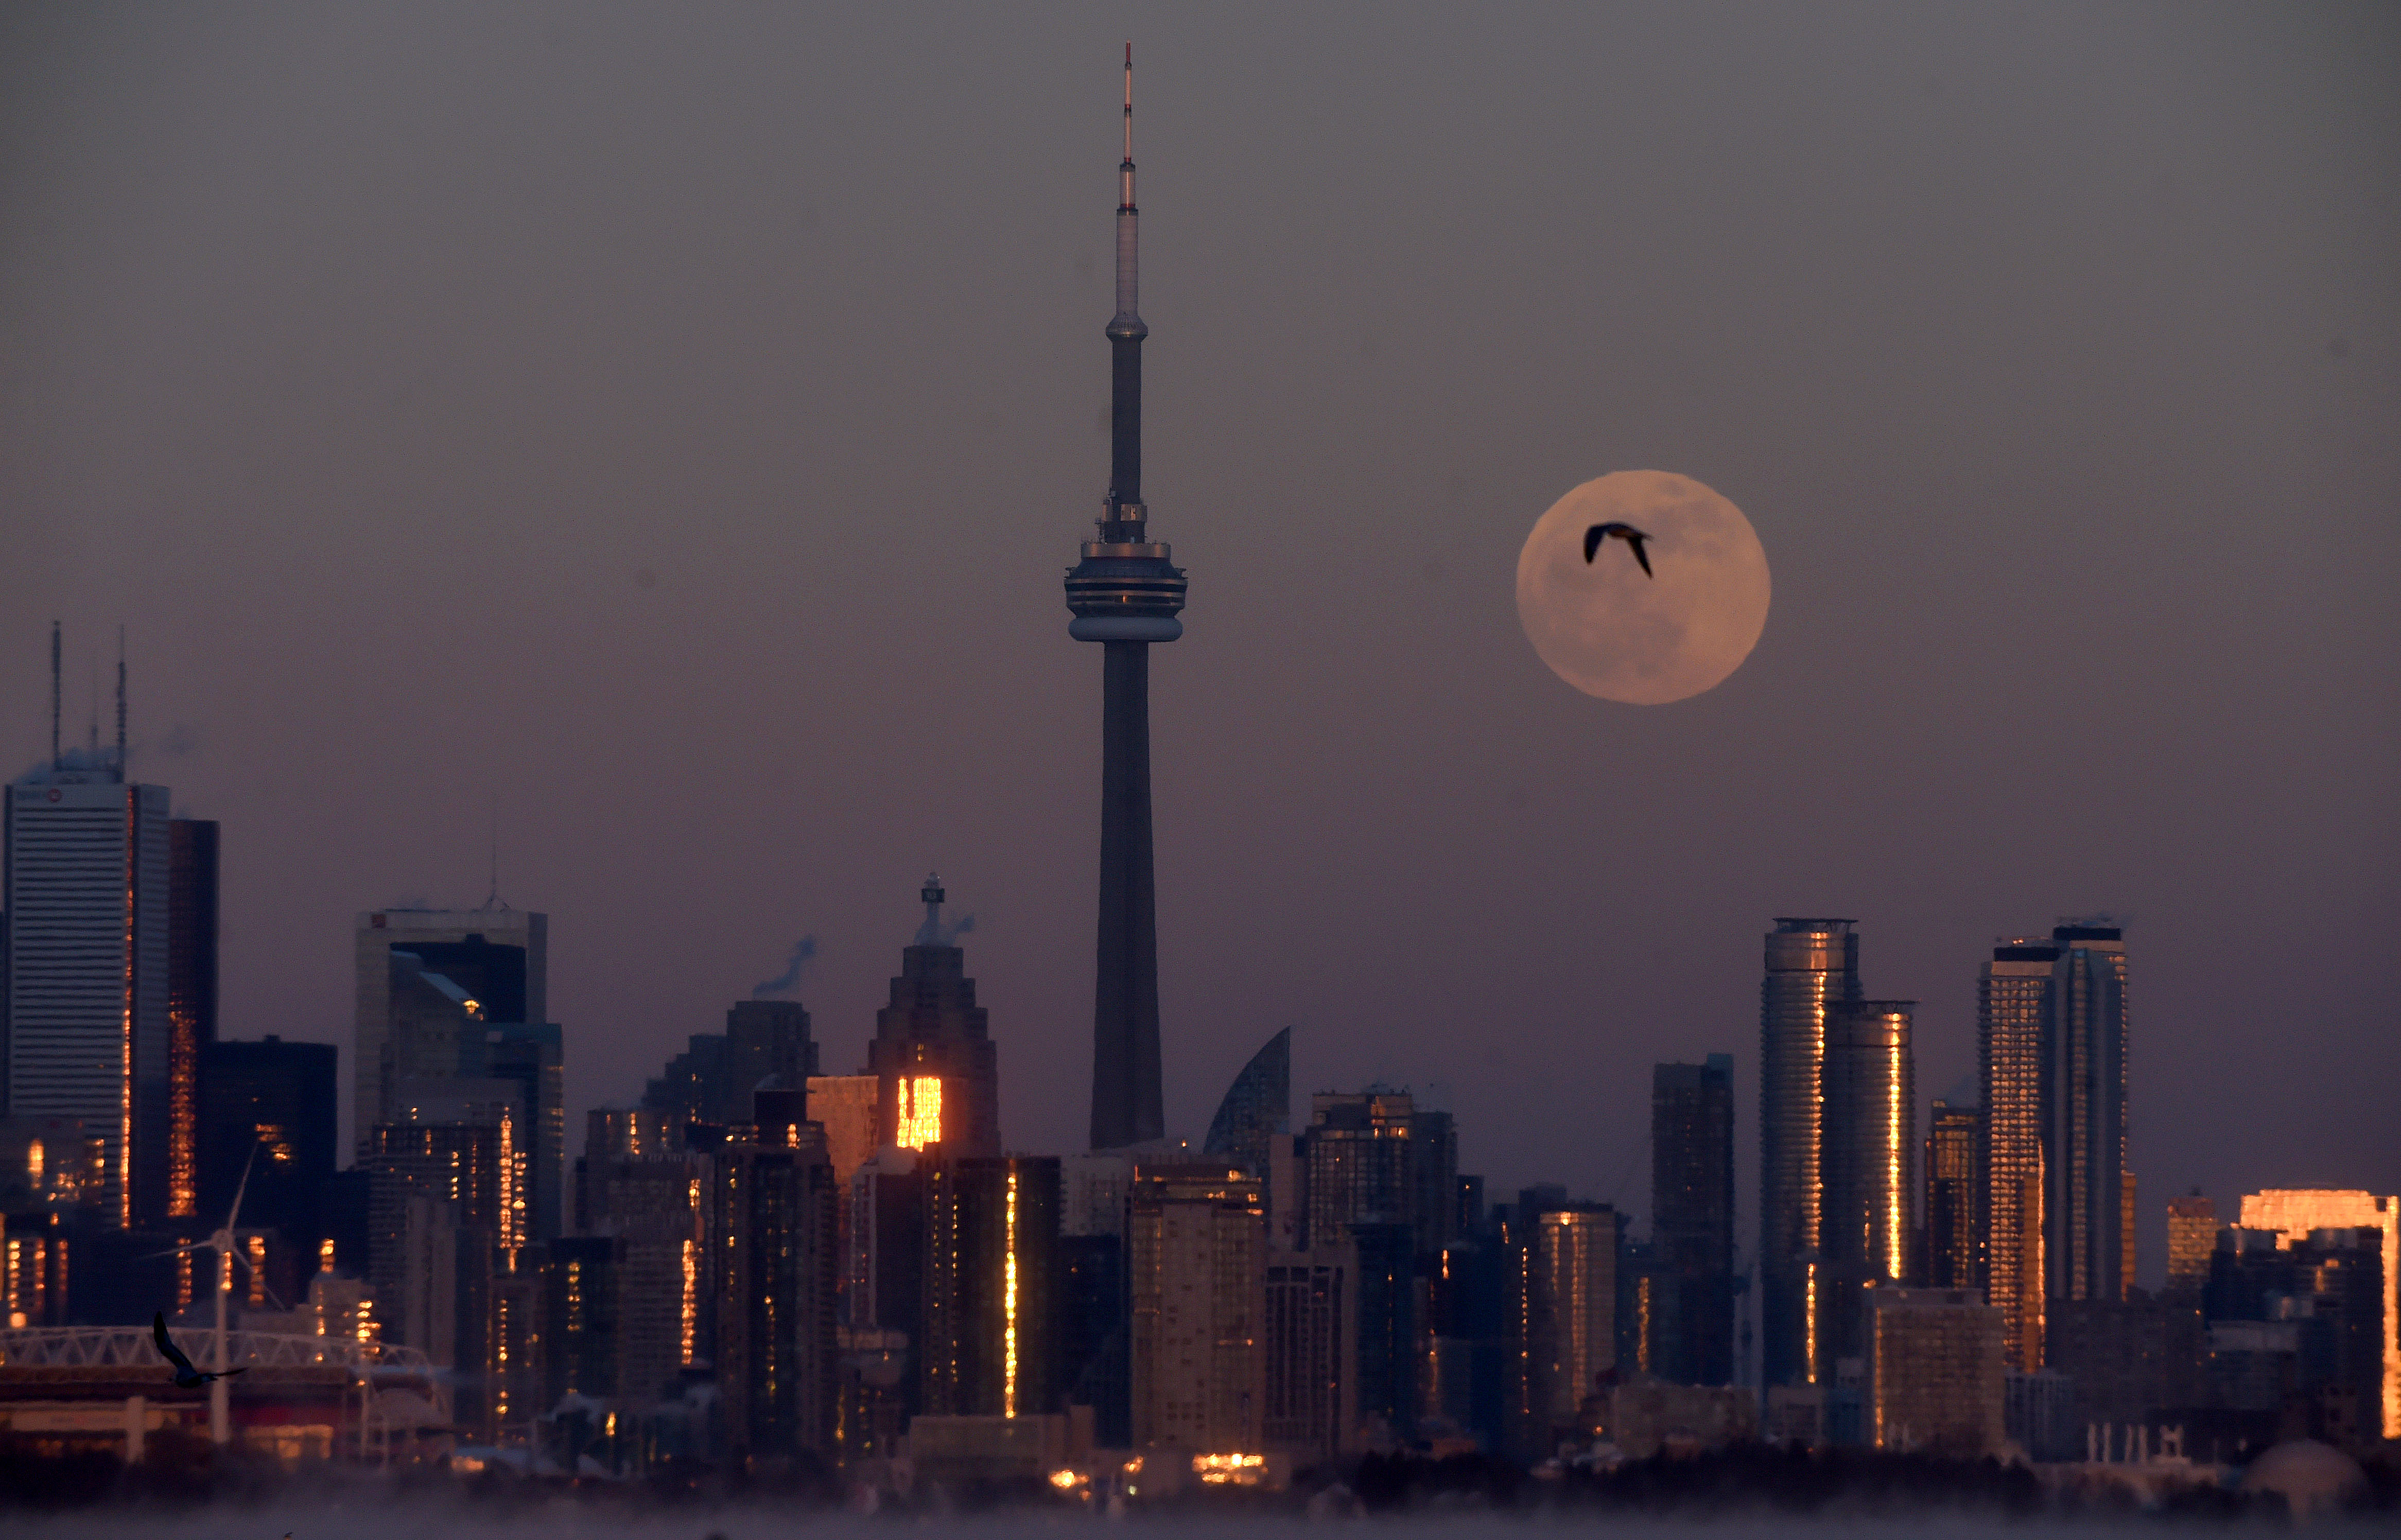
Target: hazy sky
664 429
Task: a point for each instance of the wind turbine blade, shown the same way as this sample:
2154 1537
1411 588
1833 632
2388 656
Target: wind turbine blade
235 1217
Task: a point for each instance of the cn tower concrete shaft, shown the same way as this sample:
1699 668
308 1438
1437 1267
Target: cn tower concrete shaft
1126 594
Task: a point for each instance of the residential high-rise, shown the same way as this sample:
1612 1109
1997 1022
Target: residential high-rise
2192 1236
2051 1029
1256 1107
531 1055
431 982
775 1346
1361 1164
1312 1338
1954 1237
85 1017
1692 1221
191 998
937 1068
1935 1377
1125 594
1813 966
992 1249
2293 1213
1565 1317
1196 1249
1869 1163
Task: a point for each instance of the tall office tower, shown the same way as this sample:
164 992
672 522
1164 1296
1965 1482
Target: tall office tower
937 1068
267 1109
1935 1377
1312 1339
1095 1330
2192 1236
1361 1164
86 1020
1813 966
1692 1217
2051 1028
992 1251
191 997
1388 1326
1125 594
431 982
1256 1107
1954 1257
1566 1318
1433 1164
446 1208
2292 1213
776 1345
657 1203
530 1055
713 1078
1197 1246
1868 1134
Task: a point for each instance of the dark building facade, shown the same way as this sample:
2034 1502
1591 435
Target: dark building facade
937 1068
714 1078
191 998
1813 967
776 1367
1255 1109
1692 1222
1125 594
1954 1250
279 1100
991 1260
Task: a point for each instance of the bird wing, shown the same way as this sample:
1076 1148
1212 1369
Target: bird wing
174 1355
1640 555
1592 539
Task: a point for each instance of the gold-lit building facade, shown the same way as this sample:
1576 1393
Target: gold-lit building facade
937 1068
1954 1250
1197 1238
1812 967
1565 1317
2292 1213
2192 1236
1936 1379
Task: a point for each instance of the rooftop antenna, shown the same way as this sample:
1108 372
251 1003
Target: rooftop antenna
92 744
492 897
121 704
56 763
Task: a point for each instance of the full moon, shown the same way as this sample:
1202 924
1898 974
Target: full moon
1612 631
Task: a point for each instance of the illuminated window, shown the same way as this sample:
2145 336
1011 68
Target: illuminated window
919 1118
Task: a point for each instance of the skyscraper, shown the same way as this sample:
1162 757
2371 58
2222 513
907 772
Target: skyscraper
84 1018
1197 1249
776 1366
1361 1164
1954 1235
281 1100
937 1068
2192 1236
1867 1231
1692 1218
2052 1034
714 1078
1256 1107
191 997
2292 1213
1125 594
992 1249
431 982
1813 966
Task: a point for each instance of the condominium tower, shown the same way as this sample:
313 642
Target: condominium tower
1813 967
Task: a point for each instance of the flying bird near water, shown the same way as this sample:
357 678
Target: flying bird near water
1626 532
186 1377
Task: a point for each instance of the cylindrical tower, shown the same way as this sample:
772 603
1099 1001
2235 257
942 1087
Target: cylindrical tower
1125 594
1813 966
1869 1150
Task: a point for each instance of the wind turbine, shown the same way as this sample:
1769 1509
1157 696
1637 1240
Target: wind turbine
222 1243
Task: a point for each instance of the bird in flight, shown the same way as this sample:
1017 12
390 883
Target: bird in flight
186 1377
1626 532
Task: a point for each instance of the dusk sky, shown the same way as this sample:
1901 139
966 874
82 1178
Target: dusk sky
661 433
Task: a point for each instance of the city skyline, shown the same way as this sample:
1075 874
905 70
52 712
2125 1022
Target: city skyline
1385 892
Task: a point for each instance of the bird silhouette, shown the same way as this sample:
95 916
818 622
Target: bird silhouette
186 1377
1626 532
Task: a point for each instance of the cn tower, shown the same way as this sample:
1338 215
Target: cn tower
1125 595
